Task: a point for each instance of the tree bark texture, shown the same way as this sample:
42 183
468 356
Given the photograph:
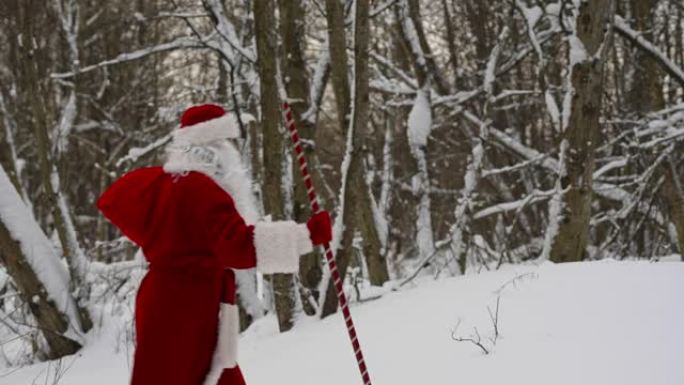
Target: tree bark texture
266 39
582 133
646 95
35 88
293 64
358 212
50 321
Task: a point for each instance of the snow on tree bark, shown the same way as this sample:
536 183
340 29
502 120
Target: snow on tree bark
302 99
646 95
40 276
622 28
356 212
11 149
427 71
587 46
274 203
419 127
50 181
465 206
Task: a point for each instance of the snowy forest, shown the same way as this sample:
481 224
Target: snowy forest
447 138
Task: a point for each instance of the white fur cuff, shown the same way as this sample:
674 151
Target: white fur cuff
279 244
225 354
224 127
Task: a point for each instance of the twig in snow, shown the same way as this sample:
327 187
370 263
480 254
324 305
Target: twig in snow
495 318
514 281
475 339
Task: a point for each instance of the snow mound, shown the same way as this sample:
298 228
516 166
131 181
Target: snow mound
585 323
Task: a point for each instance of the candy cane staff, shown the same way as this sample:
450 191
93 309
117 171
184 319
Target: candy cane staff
329 257
195 220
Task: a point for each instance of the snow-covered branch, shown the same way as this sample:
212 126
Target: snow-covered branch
386 63
37 249
135 153
229 41
624 30
180 43
418 131
318 82
500 208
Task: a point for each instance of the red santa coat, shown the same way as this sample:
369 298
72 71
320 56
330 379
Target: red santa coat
192 235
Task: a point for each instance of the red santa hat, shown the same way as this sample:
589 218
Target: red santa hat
206 123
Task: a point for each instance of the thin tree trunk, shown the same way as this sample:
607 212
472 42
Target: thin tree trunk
50 320
581 133
451 43
673 192
408 13
50 178
363 200
293 64
8 147
266 39
646 95
358 211
338 60
435 74
461 232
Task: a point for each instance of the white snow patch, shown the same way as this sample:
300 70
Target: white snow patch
552 109
578 52
532 14
419 121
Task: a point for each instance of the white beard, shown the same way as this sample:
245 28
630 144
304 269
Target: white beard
220 161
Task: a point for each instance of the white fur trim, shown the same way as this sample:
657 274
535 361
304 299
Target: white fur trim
279 244
221 161
225 354
224 127
304 240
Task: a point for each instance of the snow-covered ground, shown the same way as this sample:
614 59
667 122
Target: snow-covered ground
587 323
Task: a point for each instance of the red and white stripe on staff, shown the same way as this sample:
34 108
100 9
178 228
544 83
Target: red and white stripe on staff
315 207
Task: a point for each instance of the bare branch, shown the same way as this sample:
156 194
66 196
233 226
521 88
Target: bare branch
182 42
474 339
635 38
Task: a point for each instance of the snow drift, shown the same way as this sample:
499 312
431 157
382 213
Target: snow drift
586 323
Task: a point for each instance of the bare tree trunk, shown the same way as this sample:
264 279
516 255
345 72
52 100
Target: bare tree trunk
49 175
363 199
451 43
673 192
8 147
338 60
266 38
461 230
646 95
50 320
581 133
412 11
478 14
343 98
293 64
402 218
358 211
408 14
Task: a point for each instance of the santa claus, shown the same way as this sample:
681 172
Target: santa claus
195 220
